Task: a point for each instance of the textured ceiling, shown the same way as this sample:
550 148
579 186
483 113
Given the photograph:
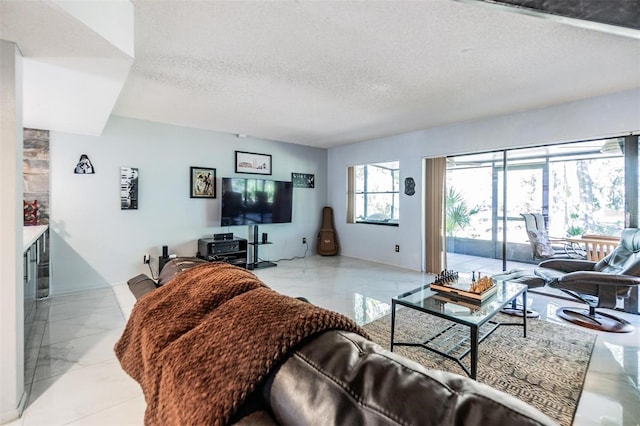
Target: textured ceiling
325 73
329 73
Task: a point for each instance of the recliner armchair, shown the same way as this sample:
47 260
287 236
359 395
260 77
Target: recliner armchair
598 284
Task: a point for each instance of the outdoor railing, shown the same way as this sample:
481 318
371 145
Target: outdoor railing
596 247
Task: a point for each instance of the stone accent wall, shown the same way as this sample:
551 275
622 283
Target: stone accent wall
35 168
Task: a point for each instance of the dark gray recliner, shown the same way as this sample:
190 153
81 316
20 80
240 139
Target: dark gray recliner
598 284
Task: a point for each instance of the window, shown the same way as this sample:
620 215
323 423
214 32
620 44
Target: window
578 187
374 193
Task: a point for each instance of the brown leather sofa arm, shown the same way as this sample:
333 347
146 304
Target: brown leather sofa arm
141 285
177 265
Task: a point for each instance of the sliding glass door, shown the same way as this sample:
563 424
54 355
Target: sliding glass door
470 210
575 189
523 192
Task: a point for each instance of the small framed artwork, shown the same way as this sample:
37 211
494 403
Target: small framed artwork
303 180
203 182
128 188
250 162
84 166
409 186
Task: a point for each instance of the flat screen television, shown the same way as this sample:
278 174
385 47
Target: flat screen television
247 201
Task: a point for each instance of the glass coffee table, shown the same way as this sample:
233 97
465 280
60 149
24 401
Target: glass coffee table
468 322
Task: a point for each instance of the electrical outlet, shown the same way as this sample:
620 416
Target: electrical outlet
397 248
304 240
146 259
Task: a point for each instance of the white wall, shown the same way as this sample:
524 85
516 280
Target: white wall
586 119
95 244
12 395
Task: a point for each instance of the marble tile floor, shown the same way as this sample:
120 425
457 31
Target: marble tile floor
78 381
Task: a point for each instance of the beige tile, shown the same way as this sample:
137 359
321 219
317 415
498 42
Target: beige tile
58 358
82 325
82 383
128 413
79 393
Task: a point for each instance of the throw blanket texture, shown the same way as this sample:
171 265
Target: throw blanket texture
200 344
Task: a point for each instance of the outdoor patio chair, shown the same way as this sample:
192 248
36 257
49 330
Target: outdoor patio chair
598 284
545 247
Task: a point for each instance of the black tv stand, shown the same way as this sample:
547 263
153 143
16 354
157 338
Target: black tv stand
262 265
257 264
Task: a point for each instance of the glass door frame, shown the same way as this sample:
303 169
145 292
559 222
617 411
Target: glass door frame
631 192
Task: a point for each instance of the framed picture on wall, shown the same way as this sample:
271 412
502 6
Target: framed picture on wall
203 182
303 180
128 188
250 162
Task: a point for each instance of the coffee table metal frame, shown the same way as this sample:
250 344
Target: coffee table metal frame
478 315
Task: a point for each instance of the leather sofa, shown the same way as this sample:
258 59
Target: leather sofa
341 378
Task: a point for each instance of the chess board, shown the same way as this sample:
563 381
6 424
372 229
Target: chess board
459 286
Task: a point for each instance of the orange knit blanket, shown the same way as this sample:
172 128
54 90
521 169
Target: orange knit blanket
200 344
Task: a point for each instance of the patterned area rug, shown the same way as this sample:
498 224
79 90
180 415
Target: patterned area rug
546 370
